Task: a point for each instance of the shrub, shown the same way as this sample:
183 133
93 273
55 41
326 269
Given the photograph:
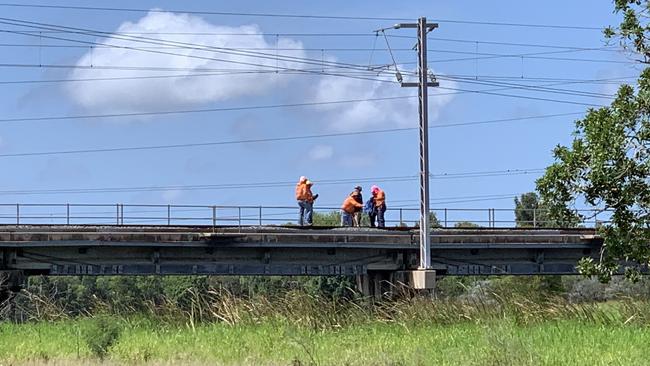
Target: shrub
102 333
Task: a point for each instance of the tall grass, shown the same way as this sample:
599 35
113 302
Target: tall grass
217 327
300 309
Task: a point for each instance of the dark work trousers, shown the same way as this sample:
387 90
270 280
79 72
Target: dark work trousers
306 211
380 216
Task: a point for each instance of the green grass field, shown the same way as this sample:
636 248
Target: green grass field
502 341
294 328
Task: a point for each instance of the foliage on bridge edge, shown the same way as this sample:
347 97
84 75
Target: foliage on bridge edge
607 166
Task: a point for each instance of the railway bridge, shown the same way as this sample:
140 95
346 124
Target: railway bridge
374 256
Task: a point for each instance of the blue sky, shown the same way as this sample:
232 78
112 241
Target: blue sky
519 144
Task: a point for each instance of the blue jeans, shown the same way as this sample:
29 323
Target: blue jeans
306 212
380 216
346 219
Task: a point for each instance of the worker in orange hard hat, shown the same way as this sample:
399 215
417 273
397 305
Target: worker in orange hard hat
349 207
305 199
379 198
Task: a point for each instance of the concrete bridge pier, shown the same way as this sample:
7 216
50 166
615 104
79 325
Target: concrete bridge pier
374 284
11 282
387 284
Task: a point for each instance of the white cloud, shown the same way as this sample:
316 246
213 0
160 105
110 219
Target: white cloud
363 115
154 94
167 93
359 160
321 152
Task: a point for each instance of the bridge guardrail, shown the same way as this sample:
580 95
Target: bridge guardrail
247 215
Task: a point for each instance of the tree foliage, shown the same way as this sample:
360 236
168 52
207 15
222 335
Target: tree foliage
530 211
466 225
607 167
632 33
327 218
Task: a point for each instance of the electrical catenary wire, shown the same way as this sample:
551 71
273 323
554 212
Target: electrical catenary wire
207 110
216 49
280 184
275 139
302 16
611 48
191 46
255 54
155 41
240 108
346 65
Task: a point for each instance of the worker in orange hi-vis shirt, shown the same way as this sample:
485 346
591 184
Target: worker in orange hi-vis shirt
349 207
380 205
305 199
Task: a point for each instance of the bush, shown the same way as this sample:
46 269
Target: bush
102 333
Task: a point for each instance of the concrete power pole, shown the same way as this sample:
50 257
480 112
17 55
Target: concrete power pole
423 85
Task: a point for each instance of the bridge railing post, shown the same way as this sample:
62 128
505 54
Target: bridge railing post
401 222
169 215
17 214
260 215
489 220
117 214
494 220
534 217
239 217
445 217
67 214
489 210
214 217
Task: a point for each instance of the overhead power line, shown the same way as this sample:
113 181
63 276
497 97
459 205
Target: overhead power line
289 105
367 34
192 46
274 139
491 173
190 75
280 184
516 44
242 52
156 41
534 88
276 106
303 16
224 109
563 81
489 92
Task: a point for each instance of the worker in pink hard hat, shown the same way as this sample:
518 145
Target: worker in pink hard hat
379 198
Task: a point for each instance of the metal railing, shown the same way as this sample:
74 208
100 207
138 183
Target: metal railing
219 215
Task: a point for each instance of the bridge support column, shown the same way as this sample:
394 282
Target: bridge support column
376 284
381 284
11 282
421 279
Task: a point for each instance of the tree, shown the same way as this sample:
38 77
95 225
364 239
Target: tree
530 212
632 34
608 164
434 223
327 219
466 224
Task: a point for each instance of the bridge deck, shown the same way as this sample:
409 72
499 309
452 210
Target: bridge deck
272 250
